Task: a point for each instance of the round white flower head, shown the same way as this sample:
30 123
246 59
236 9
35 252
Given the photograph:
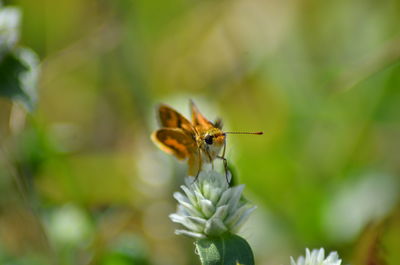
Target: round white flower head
209 207
317 257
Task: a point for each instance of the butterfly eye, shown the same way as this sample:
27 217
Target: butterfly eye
208 139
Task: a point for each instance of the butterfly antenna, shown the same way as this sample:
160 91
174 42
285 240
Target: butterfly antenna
257 133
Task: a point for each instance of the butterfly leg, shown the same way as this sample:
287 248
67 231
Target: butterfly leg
199 165
206 151
223 150
196 177
225 162
225 168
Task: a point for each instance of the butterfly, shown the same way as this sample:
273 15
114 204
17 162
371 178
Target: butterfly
198 141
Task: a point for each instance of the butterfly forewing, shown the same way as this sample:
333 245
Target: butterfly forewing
175 141
170 118
198 119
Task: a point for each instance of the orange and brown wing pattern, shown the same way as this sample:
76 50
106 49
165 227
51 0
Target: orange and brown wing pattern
194 163
170 118
198 119
174 141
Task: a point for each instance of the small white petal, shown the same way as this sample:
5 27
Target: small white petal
207 189
308 254
236 226
215 194
224 197
215 227
333 259
182 211
197 220
301 261
182 200
190 234
189 208
189 194
233 218
221 212
176 218
180 197
189 181
313 257
321 255
199 196
185 221
235 197
207 208
333 256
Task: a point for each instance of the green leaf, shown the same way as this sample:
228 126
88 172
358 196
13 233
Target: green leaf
18 76
228 249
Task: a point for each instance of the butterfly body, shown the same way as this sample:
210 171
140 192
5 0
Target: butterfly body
199 141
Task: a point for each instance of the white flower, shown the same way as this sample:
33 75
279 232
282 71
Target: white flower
9 27
209 207
317 257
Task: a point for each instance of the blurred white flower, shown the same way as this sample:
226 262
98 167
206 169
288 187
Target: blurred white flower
317 257
69 225
358 202
209 207
9 27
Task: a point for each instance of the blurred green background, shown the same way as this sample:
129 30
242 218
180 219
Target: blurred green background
81 182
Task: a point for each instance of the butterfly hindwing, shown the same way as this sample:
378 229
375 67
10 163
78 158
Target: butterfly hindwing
174 141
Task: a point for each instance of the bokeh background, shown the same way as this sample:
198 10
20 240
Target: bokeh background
81 182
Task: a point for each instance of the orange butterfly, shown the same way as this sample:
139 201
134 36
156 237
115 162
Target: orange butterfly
197 141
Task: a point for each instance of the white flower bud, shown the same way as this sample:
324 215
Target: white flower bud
209 207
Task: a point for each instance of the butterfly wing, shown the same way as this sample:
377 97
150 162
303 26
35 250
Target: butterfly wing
174 141
170 118
194 163
198 119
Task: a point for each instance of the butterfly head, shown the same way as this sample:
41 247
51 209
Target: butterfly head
212 142
214 137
